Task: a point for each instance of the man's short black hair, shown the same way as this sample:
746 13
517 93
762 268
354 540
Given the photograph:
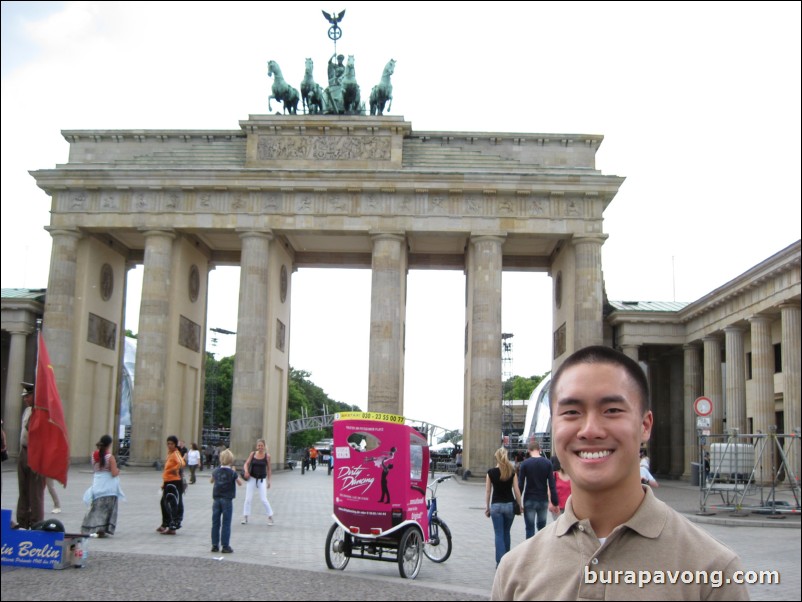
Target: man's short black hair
598 354
174 439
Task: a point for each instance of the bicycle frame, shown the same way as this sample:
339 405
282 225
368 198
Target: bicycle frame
431 503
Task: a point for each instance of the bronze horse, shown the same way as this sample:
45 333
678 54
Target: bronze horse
383 93
282 91
311 93
351 95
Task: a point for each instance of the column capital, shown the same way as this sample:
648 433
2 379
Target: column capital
733 328
692 346
397 236
163 232
760 319
790 304
18 330
589 239
499 238
712 338
249 233
58 231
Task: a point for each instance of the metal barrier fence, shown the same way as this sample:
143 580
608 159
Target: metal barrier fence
749 471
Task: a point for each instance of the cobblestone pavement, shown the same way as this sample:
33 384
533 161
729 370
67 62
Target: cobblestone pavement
286 561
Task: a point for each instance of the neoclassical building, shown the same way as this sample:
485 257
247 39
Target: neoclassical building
739 346
283 192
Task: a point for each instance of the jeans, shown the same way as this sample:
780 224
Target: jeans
222 507
533 509
502 515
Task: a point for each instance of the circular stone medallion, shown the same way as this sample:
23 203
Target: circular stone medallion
194 283
283 284
106 281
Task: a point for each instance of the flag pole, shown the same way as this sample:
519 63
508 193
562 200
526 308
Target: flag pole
36 367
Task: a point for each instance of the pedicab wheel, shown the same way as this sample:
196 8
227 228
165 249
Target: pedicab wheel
438 549
409 553
338 548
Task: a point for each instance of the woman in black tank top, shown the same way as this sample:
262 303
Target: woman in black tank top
258 473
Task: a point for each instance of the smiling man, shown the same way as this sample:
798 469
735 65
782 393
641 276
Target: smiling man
616 541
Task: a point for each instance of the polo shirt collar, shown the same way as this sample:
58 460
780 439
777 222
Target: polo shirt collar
649 519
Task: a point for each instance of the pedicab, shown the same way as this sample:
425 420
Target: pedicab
380 477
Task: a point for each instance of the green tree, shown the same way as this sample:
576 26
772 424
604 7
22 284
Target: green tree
305 398
219 390
519 387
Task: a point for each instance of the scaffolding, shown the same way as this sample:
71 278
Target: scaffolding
507 425
751 472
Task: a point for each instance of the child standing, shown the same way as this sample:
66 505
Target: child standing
223 501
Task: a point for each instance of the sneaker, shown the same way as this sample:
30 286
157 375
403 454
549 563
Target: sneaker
56 510
270 522
215 549
227 550
244 520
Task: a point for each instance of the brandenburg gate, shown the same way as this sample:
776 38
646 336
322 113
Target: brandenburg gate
283 192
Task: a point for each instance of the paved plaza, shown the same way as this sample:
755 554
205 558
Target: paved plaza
286 561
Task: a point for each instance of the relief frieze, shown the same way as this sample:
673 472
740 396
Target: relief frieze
189 334
271 202
324 148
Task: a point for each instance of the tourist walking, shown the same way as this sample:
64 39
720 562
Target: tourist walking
102 496
536 481
193 461
172 502
501 496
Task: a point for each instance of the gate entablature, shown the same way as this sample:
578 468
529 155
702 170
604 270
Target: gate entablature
326 182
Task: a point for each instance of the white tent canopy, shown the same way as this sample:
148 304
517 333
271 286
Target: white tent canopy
445 446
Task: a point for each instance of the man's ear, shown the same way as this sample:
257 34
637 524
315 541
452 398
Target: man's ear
646 425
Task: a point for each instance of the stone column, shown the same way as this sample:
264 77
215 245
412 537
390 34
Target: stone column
763 386
677 411
735 378
59 317
692 376
712 382
588 294
387 323
148 411
250 377
660 445
483 415
12 420
790 315
631 351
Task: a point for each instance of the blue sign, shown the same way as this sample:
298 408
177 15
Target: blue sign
40 549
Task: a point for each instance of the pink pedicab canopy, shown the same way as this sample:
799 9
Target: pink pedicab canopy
380 474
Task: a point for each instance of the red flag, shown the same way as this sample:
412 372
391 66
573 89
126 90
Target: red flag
48 445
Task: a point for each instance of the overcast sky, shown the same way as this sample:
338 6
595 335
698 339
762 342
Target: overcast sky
699 104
